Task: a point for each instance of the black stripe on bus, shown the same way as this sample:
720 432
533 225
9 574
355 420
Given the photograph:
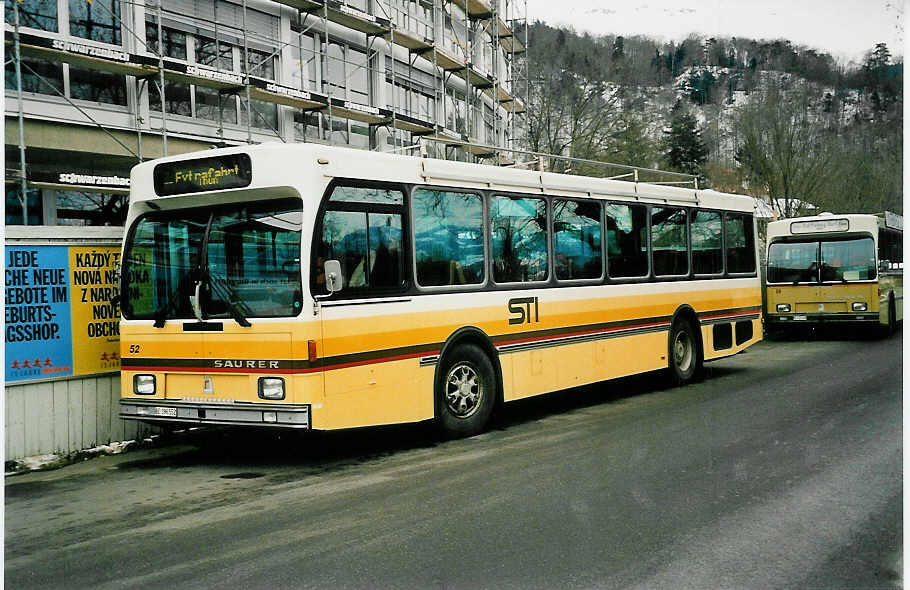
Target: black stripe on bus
504 343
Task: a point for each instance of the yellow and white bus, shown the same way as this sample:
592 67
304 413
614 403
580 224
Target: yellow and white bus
318 287
845 269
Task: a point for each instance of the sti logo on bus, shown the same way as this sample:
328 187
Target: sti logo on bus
520 308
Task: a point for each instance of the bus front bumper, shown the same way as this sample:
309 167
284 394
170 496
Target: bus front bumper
164 411
822 318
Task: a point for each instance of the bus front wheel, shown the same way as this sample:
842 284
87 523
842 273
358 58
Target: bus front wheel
684 358
465 392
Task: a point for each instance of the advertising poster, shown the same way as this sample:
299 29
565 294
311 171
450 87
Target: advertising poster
95 318
59 317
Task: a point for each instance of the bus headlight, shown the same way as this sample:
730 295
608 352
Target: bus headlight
859 306
271 388
144 384
783 308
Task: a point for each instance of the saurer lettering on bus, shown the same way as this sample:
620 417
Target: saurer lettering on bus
241 364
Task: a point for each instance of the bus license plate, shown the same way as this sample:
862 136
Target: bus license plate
157 411
798 318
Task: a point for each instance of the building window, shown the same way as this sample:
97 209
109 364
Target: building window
98 20
334 75
80 208
177 98
265 114
215 54
97 86
35 14
14 206
303 72
174 41
38 76
357 76
262 64
306 126
210 104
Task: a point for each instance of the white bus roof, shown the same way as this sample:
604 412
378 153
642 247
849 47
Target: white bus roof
300 166
826 224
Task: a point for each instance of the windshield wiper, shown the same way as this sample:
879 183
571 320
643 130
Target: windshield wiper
171 301
219 287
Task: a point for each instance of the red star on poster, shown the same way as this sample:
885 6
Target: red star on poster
115 356
15 365
36 363
48 362
25 364
104 356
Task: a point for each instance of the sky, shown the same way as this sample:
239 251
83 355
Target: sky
847 29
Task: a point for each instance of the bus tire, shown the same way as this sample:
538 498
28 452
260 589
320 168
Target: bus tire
465 392
683 353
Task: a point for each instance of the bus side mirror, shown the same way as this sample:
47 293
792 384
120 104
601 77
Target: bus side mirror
333 278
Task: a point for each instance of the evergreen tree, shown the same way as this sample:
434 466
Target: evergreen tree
684 149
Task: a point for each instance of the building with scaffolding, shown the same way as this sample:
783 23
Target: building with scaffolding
95 86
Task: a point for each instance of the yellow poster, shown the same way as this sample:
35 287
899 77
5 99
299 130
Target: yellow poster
95 313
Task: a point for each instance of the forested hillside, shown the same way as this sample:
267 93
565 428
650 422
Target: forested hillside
760 117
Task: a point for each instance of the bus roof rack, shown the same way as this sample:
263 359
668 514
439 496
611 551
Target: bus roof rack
571 165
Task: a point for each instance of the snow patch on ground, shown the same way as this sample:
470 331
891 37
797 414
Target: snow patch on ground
55 461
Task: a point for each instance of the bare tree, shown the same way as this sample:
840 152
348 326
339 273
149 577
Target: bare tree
571 116
783 149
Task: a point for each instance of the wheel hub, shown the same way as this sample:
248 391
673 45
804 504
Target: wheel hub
464 390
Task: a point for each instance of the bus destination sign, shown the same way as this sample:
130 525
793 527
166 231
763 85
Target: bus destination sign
203 174
819 226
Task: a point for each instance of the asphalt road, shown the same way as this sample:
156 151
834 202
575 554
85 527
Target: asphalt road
781 469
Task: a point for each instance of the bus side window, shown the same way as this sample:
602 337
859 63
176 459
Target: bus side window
627 240
669 241
740 242
362 229
448 230
707 243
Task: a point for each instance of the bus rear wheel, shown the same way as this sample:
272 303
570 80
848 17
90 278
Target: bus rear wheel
684 354
465 392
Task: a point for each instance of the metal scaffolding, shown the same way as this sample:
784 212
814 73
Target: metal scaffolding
483 51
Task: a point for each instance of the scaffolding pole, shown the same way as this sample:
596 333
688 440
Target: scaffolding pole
23 197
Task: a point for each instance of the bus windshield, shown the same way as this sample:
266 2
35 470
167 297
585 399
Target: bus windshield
823 261
245 258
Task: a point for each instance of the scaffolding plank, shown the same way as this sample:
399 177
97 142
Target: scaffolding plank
178 71
409 40
302 5
446 60
83 55
413 124
475 76
360 112
269 91
351 17
475 8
